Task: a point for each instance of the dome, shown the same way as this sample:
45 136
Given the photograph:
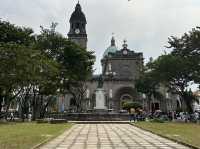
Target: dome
78 15
111 49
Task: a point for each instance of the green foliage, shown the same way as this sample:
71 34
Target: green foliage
18 66
75 63
188 48
189 98
38 66
19 35
180 68
129 105
149 84
176 73
176 70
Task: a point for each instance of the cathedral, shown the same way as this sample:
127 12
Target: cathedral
120 69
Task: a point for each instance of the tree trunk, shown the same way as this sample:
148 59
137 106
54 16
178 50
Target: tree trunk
1 100
149 102
22 114
34 106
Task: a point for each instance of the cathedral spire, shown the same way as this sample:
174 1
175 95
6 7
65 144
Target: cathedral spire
77 32
78 6
113 41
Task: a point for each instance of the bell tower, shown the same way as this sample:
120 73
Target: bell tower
77 32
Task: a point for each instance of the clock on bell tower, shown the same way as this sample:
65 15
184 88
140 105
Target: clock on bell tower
77 32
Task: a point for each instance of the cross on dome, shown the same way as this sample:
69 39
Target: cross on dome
113 40
125 45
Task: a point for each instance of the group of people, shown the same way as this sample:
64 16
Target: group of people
12 116
186 117
134 116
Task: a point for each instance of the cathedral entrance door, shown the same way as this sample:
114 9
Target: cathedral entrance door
155 106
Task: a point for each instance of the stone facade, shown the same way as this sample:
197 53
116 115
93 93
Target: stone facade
119 72
120 69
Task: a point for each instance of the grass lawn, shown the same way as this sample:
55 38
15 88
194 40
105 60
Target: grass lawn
27 135
184 132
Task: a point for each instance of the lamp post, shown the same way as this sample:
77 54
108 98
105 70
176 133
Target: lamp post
167 99
62 108
170 106
110 98
143 100
88 97
3 104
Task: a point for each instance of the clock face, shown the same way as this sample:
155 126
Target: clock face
125 52
77 31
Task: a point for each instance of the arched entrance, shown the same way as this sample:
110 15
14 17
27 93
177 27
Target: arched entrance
124 94
125 98
155 106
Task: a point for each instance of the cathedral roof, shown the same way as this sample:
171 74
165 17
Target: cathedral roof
113 52
78 15
111 49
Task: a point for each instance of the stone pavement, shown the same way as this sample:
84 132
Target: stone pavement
109 136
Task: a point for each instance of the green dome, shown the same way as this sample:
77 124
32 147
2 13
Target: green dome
111 49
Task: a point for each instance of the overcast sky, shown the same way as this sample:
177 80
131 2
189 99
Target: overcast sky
146 24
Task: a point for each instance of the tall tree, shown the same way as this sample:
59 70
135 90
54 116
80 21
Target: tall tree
148 84
15 43
75 63
23 66
188 47
34 67
175 72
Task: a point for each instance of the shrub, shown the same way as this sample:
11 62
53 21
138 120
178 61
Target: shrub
129 105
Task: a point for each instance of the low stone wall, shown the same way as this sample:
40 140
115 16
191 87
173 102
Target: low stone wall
90 116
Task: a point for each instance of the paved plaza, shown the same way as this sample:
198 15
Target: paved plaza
109 136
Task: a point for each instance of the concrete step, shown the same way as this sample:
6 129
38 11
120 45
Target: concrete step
100 122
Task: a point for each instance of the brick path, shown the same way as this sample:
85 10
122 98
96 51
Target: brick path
109 136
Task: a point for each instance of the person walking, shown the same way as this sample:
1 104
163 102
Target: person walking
12 118
132 114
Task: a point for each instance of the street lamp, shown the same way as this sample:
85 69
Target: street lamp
88 97
143 100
